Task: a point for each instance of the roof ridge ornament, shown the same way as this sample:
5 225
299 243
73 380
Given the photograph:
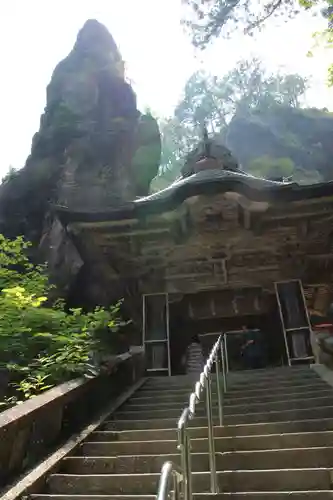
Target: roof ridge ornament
210 154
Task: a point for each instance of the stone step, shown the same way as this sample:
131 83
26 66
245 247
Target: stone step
107 449
264 374
269 441
231 408
165 399
199 445
239 460
250 391
229 481
279 416
285 458
151 393
227 430
256 413
262 381
171 382
158 423
263 428
232 383
246 375
274 369
274 420
237 391
235 382
249 418
130 464
285 382
283 415
159 413
253 495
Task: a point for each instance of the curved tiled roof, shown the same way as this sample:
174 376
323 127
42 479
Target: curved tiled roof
205 182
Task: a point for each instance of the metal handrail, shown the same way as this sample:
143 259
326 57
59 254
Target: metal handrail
169 472
184 474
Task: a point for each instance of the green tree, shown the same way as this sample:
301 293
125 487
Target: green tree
178 138
210 19
202 102
11 174
325 37
42 343
249 87
210 100
291 88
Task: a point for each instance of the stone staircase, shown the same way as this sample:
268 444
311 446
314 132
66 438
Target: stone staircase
277 442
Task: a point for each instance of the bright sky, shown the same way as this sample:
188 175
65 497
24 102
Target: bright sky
36 34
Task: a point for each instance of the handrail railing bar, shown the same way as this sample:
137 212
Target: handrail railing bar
223 364
183 475
183 447
211 444
219 390
226 353
169 471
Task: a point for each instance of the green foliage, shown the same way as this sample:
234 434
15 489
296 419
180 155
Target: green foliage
147 157
210 19
325 39
267 167
214 101
41 345
202 98
10 175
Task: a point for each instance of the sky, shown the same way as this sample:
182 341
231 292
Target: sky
36 34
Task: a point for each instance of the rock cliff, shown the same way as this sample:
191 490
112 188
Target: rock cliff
302 135
94 150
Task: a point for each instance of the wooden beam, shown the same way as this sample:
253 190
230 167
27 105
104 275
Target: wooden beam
322 256
291 215
104 224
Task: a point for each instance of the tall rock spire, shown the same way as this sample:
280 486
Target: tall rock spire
91 124
94 150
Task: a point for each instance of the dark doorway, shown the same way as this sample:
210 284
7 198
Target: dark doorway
182 328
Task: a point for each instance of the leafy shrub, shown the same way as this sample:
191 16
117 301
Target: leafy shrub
42 344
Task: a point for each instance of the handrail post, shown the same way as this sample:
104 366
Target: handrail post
188 465
183 474
171 477
183 461
223 364
211 445
185 455
226 353
175 494
218 387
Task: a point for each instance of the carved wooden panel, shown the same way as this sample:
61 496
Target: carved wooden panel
214 268
288 247
227 303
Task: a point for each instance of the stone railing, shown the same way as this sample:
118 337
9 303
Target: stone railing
31 430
